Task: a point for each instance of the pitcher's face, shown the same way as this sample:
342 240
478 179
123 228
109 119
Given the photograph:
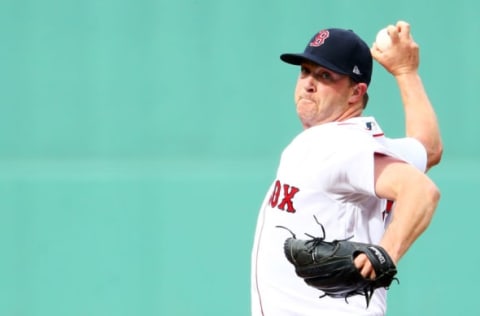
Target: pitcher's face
321 95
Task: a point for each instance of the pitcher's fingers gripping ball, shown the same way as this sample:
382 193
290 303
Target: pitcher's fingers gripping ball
329 266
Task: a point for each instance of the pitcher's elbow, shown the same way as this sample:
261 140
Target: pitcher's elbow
434 156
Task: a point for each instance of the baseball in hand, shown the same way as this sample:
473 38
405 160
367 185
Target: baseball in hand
383 40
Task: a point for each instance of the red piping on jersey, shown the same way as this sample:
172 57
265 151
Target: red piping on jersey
256 260
347 123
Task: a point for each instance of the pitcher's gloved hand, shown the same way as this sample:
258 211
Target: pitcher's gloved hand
329 266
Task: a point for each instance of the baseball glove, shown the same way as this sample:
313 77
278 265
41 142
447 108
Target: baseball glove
329 266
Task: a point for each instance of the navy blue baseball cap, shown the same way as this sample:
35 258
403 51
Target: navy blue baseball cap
340 50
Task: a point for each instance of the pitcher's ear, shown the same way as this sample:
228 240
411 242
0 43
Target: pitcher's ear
359 90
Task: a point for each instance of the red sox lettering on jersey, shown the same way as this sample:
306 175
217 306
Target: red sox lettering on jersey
288 193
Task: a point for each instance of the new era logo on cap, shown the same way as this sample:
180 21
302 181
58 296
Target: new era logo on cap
356 70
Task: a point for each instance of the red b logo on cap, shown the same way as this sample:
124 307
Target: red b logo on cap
320 38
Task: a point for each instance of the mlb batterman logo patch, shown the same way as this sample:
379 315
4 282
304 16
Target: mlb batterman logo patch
320 38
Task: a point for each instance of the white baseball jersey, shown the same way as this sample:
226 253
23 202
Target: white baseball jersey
327 171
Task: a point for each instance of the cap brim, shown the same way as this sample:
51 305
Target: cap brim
298 59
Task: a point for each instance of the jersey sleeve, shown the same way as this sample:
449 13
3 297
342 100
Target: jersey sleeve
352 172
409 149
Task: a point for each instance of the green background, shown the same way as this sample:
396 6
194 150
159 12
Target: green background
137 139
